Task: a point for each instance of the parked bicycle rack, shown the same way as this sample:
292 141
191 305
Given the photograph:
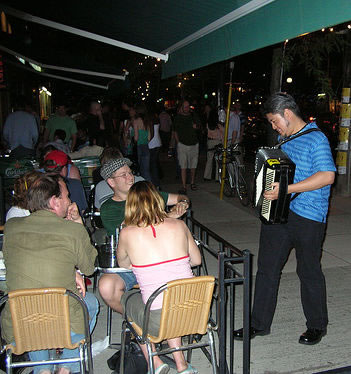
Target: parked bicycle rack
229 258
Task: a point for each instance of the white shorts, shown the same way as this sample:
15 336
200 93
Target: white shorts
188 155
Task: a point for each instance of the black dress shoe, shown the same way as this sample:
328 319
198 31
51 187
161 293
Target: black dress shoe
239 334
312 336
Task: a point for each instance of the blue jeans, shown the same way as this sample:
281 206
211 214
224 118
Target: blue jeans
93 309
144 161
154 166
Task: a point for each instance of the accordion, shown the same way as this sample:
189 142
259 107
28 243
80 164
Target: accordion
273 165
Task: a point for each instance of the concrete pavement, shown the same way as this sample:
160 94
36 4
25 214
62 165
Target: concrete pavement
278 352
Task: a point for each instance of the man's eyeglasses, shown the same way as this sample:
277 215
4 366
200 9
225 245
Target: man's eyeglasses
124 175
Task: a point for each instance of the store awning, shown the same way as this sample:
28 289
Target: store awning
262 26
186 34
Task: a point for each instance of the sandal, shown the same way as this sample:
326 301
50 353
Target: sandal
189 370
193 186
162 369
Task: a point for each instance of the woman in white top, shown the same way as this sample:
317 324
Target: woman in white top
20 190
154 149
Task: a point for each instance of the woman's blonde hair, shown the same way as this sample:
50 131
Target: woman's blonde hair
144 205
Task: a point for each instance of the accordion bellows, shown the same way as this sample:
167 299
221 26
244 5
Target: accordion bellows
273 165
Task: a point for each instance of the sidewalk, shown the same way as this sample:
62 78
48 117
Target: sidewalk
279 352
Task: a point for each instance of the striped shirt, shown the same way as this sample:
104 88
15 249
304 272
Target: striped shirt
311 154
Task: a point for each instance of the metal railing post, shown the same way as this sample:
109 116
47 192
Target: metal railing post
222 315
227 257
247 311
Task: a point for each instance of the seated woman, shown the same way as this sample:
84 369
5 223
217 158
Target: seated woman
158 249
20 189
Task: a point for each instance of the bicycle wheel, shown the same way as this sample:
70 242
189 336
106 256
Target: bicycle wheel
241 188
228 189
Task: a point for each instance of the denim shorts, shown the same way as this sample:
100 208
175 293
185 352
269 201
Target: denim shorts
129 279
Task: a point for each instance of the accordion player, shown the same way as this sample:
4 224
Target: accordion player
273 165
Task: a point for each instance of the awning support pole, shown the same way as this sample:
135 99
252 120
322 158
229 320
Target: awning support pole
86 34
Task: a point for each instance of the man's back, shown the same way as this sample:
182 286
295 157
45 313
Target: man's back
77 193
61 122
21 129
165 122
42 250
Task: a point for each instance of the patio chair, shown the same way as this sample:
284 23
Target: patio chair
41 320
185 311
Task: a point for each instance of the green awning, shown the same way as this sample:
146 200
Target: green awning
268 25
189 33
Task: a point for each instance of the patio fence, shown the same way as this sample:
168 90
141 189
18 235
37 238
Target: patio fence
234 269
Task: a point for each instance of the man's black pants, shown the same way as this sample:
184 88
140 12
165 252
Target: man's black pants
276 241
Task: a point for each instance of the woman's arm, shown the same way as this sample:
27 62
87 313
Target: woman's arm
151 132
136 127
74 173
122 254
194 252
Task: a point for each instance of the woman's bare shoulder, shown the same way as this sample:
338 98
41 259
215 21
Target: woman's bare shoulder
127 230
175 223
137 122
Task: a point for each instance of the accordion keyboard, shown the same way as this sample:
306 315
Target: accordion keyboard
267 204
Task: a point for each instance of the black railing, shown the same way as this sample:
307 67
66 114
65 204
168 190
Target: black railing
234 268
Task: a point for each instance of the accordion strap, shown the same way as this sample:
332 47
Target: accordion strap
294 137
288 140
283 187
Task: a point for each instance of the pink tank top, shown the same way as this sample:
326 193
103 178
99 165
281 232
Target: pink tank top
151 277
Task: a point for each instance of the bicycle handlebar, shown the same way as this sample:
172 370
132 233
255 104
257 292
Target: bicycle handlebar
220 147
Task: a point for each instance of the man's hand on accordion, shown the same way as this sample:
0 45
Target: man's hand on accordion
273 193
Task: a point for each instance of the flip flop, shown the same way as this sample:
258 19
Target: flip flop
189 370
193 186
162 369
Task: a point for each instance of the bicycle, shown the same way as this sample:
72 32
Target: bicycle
234 176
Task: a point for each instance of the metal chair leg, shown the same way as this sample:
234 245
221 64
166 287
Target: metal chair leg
109 324
95 281
90 358
123 346
151 359
81 362
212 350
189 351
8 361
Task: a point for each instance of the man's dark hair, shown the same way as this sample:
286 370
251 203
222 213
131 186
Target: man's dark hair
278 102
42 190
20 102
110 153
61 134
50 166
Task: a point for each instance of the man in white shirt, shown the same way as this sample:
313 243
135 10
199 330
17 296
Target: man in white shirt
233 127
